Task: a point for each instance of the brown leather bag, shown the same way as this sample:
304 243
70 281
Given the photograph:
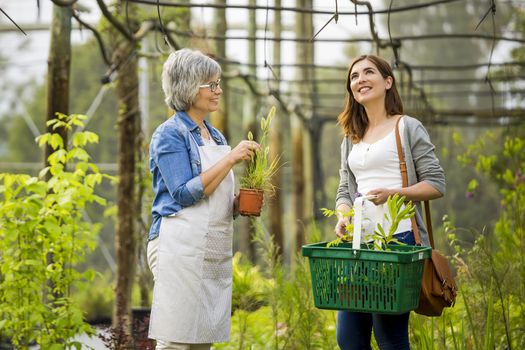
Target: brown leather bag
438 287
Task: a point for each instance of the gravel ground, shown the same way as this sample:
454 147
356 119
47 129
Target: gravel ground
94 342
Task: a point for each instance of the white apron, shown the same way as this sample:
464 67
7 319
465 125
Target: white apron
193 284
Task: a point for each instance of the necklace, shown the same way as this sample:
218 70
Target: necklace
204 132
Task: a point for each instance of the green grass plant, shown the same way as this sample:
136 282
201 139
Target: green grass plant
286 317
260 169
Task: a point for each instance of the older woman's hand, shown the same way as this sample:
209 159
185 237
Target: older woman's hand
244 150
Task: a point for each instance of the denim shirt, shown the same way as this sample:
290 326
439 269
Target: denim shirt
176 166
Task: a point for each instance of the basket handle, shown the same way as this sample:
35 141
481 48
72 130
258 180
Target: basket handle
358 219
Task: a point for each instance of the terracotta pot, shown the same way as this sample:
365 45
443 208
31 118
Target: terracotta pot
250 202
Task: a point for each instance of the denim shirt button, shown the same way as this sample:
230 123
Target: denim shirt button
198 162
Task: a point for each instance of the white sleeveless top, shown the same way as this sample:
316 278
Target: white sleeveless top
376 165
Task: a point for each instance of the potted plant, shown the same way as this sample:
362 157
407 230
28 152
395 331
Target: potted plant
257 179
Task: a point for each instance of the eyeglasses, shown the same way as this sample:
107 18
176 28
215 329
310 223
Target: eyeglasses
211 85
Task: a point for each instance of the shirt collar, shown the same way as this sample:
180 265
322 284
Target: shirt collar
190 124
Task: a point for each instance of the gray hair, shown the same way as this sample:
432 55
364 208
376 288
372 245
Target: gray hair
183 72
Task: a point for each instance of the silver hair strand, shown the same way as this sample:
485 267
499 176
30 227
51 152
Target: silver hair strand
182 73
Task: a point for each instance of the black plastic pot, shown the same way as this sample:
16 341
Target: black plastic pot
140 319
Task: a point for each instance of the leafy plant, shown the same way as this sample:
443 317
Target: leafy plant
349 229
260 169
489 262
43 238
288 319
248 284
398 211
496 257
96 298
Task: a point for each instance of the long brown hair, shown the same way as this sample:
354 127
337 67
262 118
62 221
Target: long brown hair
354 119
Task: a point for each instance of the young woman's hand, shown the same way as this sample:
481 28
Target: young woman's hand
381 195
421 191
340 227
244 150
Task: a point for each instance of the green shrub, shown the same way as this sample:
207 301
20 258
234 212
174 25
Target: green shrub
490 264
43 236
96 298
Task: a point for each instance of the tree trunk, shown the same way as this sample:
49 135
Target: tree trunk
297 130
315 127
250 116
316 130
219 119
59 63
274 204
128 129
298 179
144 279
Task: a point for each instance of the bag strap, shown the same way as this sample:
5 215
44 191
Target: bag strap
404 180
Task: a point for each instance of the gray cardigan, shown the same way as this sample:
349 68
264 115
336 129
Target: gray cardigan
422 165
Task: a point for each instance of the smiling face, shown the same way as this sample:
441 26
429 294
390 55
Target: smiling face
206 100
370 82
367 84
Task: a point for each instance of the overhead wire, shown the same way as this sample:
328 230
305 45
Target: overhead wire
435 36
396 46
334 17
429 67
292 9
12 21
97 35
266 64
163 29
447 93
498 79
493 11
393 42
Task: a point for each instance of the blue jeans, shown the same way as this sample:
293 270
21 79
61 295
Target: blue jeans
354 329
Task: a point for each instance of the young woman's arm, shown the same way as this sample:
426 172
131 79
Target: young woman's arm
430 175
421 191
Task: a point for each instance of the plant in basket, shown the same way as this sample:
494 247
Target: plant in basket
257 179
382 275
398 210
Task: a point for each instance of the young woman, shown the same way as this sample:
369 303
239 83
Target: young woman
370 166
190 240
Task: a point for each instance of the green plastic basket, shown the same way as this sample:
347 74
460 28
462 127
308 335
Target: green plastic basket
365 280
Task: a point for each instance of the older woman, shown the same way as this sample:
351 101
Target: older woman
190 240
